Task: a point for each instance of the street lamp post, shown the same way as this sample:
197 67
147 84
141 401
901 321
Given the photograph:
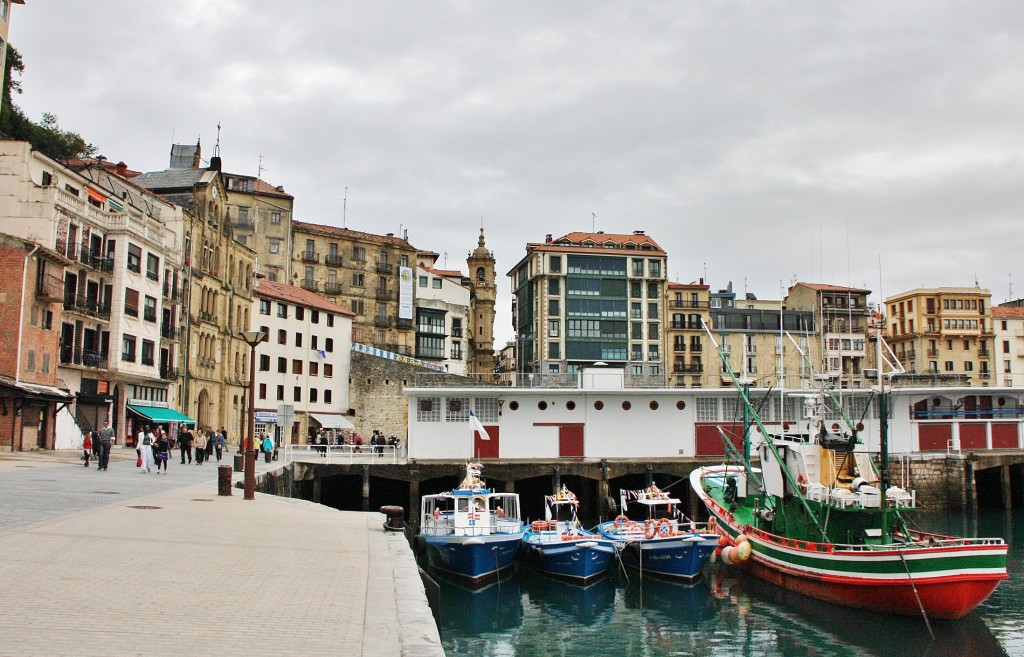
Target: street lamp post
252 338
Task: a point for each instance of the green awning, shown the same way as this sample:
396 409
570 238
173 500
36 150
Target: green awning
158 415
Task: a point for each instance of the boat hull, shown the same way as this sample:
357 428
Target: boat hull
676 557
946 580
473 558
580 561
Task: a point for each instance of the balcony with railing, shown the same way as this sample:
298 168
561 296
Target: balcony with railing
172 333
382 322
932 353
692 368
384 294
310 256
984 353
310 284
333 287
687 303
205 316
83 357
332 260
86 306
383 267
911 354
168 373
172 293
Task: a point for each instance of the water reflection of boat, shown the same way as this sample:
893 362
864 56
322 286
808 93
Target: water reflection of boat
684 606
804 622
565 603
470 610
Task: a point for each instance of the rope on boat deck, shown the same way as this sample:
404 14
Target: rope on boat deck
913 587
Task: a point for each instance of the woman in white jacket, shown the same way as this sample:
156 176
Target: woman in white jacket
146 451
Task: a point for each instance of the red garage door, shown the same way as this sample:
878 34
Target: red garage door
934 437
1004 436
570 440
487 449
972 436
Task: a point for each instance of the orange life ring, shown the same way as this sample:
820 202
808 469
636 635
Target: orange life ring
801 481
651 529
539 525
621 521
665 527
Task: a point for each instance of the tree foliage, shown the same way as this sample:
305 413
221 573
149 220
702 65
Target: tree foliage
46 136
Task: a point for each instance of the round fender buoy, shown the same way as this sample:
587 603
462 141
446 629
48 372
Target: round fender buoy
742 538
723 540
742 552
727 554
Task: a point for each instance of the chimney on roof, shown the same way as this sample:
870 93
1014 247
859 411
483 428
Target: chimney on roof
215 163
121 169
389 234
701 280
547 238
279 188
638 232
196 156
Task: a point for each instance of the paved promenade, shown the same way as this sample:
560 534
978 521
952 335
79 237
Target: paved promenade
120 563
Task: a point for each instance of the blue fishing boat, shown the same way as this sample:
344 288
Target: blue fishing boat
662 542
559 545
471 531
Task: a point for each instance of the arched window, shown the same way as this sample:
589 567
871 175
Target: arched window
480 273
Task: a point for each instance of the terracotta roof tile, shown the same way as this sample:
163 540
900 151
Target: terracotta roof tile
618 241
297 295
687 286
825 287
1008 312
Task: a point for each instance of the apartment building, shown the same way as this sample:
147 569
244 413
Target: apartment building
218 296
442 314
304 363
371 275
686 312
843 318
1008 345
119 245
589 297
764 341
30 393
260 215
943 335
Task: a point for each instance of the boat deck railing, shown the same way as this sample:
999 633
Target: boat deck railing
492 524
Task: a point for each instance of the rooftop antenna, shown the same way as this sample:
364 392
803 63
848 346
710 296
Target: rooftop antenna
216 146
593 222
344 208
705 272
446 260
1011 288
256 195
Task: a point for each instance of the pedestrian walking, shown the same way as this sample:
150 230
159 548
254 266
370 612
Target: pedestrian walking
200 445
218 445
105 438
146 451
185 439
86 447
162 450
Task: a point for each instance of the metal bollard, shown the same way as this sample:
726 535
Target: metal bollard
395 517
224 480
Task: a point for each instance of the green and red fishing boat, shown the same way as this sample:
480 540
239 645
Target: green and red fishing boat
819 518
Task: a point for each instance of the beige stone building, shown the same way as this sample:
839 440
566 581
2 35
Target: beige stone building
219 280
842 319
260 215
371 275
944 334
686 311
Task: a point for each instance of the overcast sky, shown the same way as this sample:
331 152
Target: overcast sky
870 143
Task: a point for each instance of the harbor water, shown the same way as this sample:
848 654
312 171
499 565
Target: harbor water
725 614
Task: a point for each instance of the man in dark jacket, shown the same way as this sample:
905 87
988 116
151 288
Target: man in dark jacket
185 445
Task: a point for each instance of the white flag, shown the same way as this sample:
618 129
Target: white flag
476 426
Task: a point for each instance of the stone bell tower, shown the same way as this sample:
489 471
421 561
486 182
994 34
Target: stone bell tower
481 311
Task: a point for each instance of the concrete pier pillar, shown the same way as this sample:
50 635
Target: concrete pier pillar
414 503
556 479
602 492
1004 480
317 486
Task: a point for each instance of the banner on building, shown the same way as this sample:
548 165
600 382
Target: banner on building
405 293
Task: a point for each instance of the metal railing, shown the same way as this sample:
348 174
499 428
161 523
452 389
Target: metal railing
83 304
310 256
332 260
333 288
310 284
344 453
84 357
170 332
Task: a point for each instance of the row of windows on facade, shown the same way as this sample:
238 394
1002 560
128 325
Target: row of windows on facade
128 352
300 312
602 287
947 304
314 341
334 256
950 366
606 265
313 394
297 366
242 214
709 409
